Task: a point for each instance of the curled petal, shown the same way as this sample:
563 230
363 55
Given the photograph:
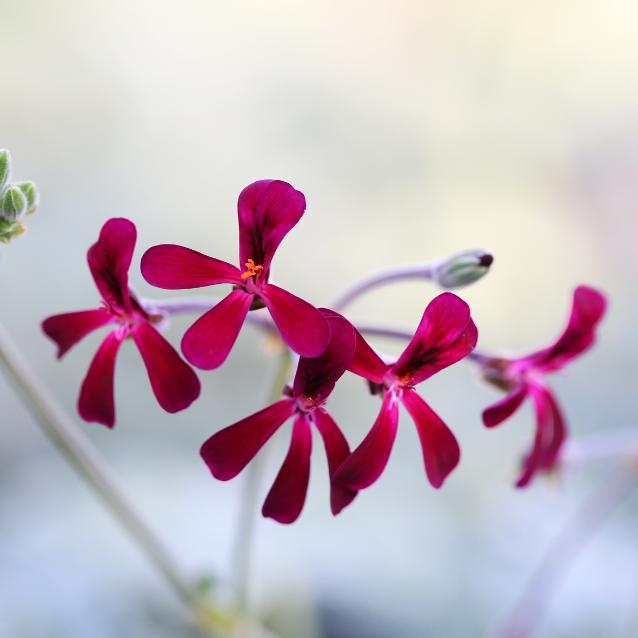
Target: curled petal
441 451
67 329
366 362
207 343
174 383
288 493
301 325
96 402
229 451
503 409
337 450
364 466
176 267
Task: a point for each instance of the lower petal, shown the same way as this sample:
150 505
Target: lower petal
503 409
67 329
288 493
441 451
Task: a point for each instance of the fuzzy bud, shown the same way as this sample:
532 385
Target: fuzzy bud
462 269
5 167
14 204
30 191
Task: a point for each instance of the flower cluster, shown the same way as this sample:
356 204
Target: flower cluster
17 200
328 346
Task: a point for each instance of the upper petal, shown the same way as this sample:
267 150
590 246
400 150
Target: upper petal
110 259
441 451
96 401
503 409
287 495
174 383
208 341
268 210
68 328
176 267
366 362
300 324
229 451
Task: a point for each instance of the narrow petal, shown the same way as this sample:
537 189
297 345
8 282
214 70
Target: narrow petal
366 362
301 325
229 451
174 383
317 377
67 329
110 259
96 402
288 493
267 211
208 341
441 451
337 450
503 409
176 267
445 334
364 466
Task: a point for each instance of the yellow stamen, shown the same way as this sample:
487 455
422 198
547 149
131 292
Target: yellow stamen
252 269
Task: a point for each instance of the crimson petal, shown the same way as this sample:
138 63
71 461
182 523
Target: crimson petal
208 341
441 451
68 328
366 362
287 495
96 402
229 451
503 409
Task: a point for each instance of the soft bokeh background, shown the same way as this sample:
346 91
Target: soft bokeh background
415 129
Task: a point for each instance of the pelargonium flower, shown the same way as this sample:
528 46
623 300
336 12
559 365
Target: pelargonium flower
268 210
444 336
523 377
173 381
229 451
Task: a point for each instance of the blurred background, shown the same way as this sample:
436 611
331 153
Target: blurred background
415 129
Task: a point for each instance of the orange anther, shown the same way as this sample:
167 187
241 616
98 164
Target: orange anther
252 269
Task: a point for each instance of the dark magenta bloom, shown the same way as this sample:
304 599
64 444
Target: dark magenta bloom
268 210
445 335
523 378
229 451
174 383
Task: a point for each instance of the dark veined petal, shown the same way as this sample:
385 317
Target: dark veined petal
366 362
445 334
317 377
207 343
588 308
364 466
268 210
176 267
174 383
96 402
67 329
300 324
337 450
229 451
288 493
503 409
110 259
441 451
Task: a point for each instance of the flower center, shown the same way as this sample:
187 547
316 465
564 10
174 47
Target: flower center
252 269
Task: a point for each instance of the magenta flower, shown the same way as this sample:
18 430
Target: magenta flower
174 383
445 335
229 451
524 377
268 210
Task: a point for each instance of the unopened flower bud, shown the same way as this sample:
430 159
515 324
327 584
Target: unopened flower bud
462 269
14 204
5 167
30 191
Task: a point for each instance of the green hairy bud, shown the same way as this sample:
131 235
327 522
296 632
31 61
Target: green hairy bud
14 204
462 269
30 191
5 167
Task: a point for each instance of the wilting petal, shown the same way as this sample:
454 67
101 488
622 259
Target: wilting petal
301 325
441 452
445 334
337 450
96 402
288 493
267 210
503 409
208 341
229 451
364 466
67 329
317 377
176 267
366 362
174 383
110 259
588 308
